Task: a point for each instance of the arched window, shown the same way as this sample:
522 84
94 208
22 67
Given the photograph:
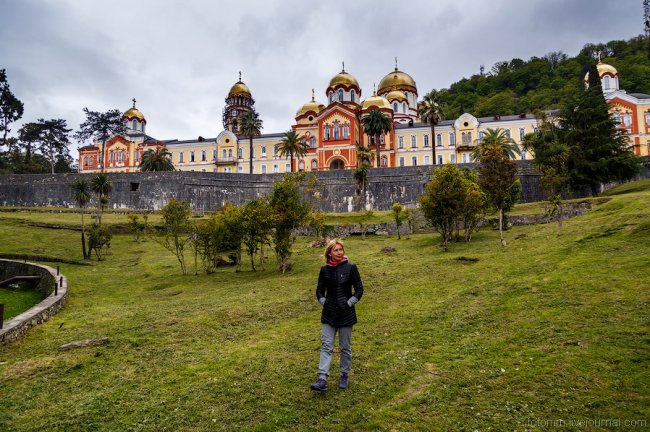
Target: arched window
606 82
340 95
395 107
331 97
263 151
230 153
647 118
223 153
452 138
312 142
203 156
240 153
337 130
426 140
346 131
404 107
384 161
135 124
326 131
142 126
314 165
352 95
627 119
301 165
381 139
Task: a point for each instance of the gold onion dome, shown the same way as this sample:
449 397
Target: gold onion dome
396 95
133 113
377 101
603 68
396 80
312 105
343 78
239 89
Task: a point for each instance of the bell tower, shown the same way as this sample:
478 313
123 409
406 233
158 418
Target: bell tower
238 102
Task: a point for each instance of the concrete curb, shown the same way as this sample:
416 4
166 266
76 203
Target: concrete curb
18 325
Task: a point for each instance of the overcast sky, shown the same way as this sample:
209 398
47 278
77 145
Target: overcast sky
179 58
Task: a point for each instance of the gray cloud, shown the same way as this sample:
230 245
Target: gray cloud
180 58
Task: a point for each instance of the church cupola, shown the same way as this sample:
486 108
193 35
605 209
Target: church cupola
343 88
238 102
396 86
134 121
609 76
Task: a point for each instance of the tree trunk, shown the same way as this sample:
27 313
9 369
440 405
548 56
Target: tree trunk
250 154
291 159
252 255
102 156
433 143
378 151
83 236
503 241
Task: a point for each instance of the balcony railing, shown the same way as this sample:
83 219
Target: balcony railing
225 160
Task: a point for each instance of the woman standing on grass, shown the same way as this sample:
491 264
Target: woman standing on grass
334 292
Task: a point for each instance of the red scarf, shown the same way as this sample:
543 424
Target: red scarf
336 263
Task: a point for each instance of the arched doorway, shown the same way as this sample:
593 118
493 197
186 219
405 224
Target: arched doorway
337 164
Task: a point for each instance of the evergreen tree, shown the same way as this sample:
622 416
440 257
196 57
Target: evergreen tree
101 127
11 109
599 152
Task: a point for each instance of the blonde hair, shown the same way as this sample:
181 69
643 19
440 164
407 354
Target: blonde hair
330 246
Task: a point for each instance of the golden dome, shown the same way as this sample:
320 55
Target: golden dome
239 89
312 105
396 95
344 78
134 113
396 80
603 68
377 101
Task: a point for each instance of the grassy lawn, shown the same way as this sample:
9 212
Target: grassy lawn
18 298
546 328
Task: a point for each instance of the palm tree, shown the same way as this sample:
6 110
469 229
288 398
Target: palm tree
159 159
290 145
374 124
81 194
102 186
250 125
497 138
497 169
364 155
430 110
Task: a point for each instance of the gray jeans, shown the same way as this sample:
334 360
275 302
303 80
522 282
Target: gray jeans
327 338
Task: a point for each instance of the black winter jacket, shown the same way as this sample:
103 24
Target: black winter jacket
335 284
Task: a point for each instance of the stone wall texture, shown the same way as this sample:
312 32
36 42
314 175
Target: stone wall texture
55 300
208 191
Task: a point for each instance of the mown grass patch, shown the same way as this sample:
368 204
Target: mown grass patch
17 298
544 328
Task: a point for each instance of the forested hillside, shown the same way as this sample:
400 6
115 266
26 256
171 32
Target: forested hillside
517 85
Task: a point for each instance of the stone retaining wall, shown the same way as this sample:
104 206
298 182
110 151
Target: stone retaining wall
208 191
18 326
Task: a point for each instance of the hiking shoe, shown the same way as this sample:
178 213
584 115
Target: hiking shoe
343 382
320 385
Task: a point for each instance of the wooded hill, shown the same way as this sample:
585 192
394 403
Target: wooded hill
515 86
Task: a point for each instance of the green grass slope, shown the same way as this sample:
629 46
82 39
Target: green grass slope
542 330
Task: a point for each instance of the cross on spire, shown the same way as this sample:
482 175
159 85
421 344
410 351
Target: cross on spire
395 63
133 102
343 67
312 96
239 75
